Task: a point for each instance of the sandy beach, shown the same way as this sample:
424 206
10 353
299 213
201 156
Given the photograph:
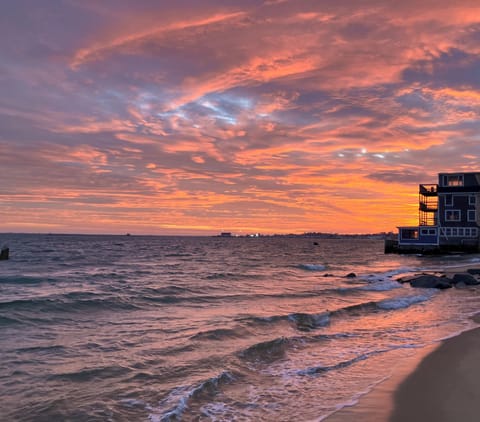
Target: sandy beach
446 384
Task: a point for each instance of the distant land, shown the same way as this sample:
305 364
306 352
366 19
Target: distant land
317 235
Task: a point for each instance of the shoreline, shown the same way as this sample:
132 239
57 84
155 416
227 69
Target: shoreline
439 382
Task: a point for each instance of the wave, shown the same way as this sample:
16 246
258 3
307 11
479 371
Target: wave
312 267
381 286
322 369
85 375
318 370
266 351
8 321
403 302
312 321
205 390
305 322
70 302
24 279
221 333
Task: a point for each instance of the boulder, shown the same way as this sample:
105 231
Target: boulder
468 279
431 281
473 271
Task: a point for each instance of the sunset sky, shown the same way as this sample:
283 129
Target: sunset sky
201 116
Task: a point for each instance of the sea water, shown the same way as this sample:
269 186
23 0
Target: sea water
143 328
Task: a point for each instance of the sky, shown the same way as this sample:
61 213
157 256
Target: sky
202 116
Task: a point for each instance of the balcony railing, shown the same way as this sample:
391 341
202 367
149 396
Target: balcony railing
428 190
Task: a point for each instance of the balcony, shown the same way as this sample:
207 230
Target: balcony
428 206
428 190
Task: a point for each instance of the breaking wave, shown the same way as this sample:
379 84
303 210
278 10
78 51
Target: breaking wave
184 395
312 267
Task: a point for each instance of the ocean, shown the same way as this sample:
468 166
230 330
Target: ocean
145 328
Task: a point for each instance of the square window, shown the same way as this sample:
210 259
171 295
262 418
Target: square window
467 232
460 232
472 200
448 232
409 234
452 215
454 232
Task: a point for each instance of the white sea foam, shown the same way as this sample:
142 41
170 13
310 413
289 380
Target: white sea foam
403 302
312 267
381 286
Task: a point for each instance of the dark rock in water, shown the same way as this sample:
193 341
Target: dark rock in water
328 275
460 285
431 281
474 271
315 243
468 279
4 254
351 275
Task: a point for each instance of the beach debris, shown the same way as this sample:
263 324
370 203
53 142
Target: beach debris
4 253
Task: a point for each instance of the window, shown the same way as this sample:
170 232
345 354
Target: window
453 215
453 180
472 215
474 232
428 232
409 234
454 232
472 200
467 232
448 232
448 200
460 232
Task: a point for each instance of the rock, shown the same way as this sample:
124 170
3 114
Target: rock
351 275
468 279
474 271
328 275
430 281
460 285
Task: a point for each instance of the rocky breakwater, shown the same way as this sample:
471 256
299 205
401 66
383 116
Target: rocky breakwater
443 281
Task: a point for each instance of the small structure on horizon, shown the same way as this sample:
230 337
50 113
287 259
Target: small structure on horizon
225 234
4 253
448 219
